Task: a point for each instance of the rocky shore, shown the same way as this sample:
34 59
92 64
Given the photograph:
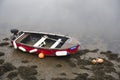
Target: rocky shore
15 65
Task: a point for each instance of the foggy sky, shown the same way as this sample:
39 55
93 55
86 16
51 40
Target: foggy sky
68 16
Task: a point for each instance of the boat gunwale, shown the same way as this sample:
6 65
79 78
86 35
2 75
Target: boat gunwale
30 32
47 33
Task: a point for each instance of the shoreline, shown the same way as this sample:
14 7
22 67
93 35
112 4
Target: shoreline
17 65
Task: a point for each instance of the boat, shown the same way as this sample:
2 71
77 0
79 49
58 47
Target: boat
44 44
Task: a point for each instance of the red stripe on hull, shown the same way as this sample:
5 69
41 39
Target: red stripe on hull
47 52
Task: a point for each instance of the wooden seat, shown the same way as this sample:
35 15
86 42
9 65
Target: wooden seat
56 43
38 43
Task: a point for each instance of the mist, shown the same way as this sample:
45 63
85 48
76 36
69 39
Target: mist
74 17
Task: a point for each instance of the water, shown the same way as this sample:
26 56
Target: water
96 23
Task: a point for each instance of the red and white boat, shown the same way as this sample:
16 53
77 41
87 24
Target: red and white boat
44 44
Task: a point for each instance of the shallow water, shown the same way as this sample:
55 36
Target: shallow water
95 23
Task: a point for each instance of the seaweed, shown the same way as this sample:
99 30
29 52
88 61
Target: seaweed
27 73
71 63
58 65
94 51
108 77
2 53
79 53
34 66
113 56
119 74
118 59
31 78
107 63
4 43
103 77
107 66
110 55
109 69
83 67
60 78
24 61
91 78
12 75
119 66
6 67
84 62
2 61
83 76
63 74
6 39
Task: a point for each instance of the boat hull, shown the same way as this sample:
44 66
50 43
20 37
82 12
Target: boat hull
46 52
56 45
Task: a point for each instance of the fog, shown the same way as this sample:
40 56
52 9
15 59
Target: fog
74 17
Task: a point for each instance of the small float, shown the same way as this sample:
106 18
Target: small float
44 44
97 60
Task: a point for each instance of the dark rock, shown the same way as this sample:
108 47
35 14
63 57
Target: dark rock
12 75
31 78
6 67
6 39
76 55
2 53
9 66
26 72
83 67
79 53
60 79
97 67
118 74
108 51
102 52
99 74
102 68
110 55
107 63
108 77
4 43
71 63
59 65
91 79
83 52
2 70
2 61
119 66
95 50
86 50
98 71
118 59
84 62
113 56
63 74
83 76
109 69
25 61
17 79
34 66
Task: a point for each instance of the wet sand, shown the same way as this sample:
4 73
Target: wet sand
16 65
95 23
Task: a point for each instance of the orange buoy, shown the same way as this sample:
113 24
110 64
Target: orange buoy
41 55
94 61
99 60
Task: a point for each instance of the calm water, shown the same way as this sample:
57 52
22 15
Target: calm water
96 23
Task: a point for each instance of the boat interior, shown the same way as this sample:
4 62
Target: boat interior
42 40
